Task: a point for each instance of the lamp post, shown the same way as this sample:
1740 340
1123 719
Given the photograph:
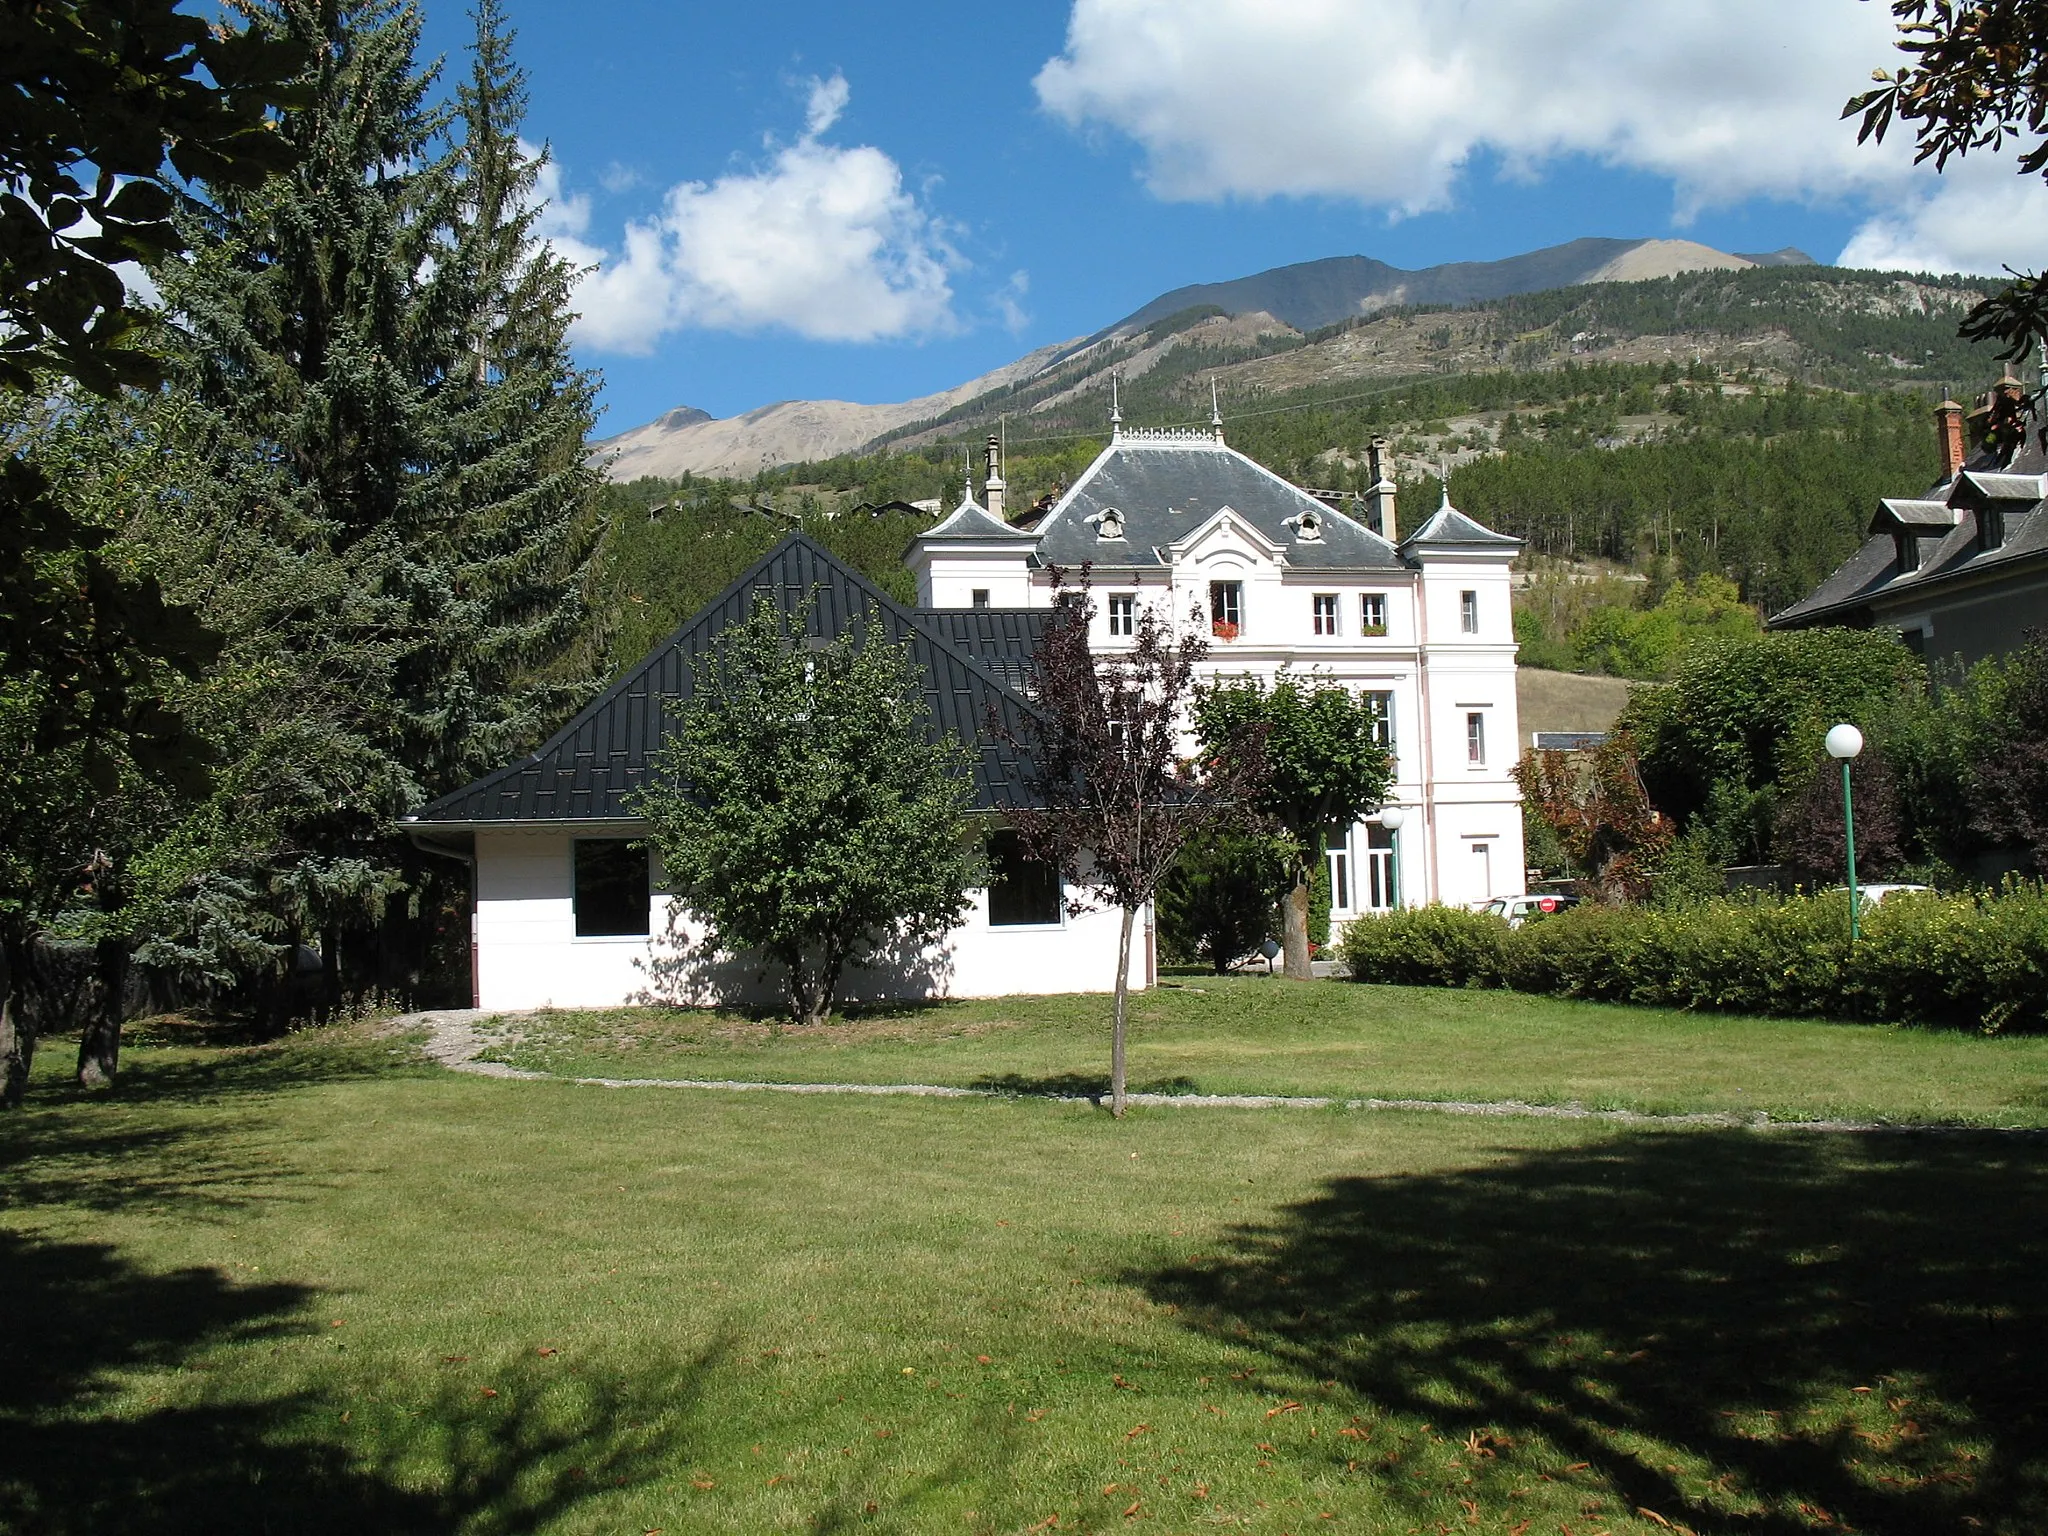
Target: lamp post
1845 742
1390 817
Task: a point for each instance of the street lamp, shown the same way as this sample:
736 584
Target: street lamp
1845 742
1390 817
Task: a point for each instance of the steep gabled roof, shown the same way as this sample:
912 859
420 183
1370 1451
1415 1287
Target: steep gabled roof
589 770
1165 487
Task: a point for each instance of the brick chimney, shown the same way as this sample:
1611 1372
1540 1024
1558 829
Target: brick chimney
1948 431
1379 497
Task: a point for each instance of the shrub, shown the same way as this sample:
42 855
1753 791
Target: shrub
1428 946
1974 962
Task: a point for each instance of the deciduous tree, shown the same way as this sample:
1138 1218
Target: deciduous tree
1117 795
802 810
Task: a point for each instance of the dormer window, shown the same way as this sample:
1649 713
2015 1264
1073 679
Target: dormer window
1109 523
1308 527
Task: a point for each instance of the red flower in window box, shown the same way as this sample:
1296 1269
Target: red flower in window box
1223 629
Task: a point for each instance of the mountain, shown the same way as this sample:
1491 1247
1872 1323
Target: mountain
1265 313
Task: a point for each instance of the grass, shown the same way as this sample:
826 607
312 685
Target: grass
314 1287
1251 1035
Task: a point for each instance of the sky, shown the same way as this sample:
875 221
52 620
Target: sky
868 201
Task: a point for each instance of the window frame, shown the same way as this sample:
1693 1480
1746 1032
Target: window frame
978 597
1475 738
576 895
1122 614
1380 703
1468 612
1325 608
1059 891
1224 594
1372 614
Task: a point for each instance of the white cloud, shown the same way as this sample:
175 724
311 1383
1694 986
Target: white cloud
820 240
1388 102
1009 302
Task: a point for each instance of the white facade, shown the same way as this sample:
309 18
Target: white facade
528 953
1308 583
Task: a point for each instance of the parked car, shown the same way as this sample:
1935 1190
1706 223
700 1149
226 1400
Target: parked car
1873 894
1521 909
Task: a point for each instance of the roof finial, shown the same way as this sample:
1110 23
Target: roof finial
1116 410
1216 410
2044 365
1443 476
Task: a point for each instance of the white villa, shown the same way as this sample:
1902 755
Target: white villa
569 909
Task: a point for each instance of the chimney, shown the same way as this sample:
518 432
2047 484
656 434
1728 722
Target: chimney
1379 498
992 488
1948 431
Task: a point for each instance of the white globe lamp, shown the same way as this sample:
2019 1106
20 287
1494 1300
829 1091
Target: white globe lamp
1844 742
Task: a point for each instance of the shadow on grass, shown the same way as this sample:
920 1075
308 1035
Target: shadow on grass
1074 1085
1670 1308
82 1457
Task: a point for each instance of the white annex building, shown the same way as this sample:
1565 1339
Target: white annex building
1179 522
569 909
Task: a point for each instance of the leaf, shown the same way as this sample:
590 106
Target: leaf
545 1350
702 1483
1284 1408
487 1391
1136 1430
1133 1510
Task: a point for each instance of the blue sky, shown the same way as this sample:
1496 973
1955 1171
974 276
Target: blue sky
878 201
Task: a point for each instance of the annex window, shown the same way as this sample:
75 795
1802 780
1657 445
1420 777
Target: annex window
1226 609
1372 613
1123 613
1376 879
981 597
610 888
1468 612
1326 613
1022 892
1381 705
1475 738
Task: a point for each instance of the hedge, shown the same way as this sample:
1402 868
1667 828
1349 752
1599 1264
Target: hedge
1959 961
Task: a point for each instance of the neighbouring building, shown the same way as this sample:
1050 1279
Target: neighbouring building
569 909
1961 572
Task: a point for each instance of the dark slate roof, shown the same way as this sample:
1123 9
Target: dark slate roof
589 768
1448 526
1873 571
971 520
1167 487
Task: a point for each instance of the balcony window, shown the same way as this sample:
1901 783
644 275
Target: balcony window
1372 613
1123 613
1326 613
1381 706
1226 609
1468 612
610 893
1475 739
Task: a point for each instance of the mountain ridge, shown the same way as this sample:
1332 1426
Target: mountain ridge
1302 297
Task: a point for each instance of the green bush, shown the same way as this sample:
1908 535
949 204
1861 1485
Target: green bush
1975 962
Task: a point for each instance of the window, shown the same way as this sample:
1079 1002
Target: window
1382 707
1022 892
1340 879
981 597
1468 612
1377 886
1483 852
1123 613
1372 613
1226 608
1475 738
610 888
1326 613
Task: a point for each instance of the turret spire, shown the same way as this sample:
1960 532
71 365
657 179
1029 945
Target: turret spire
1116 410
1216 411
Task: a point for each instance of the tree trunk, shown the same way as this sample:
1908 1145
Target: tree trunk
330 972
1123 998
17 1030
1295 910
99 1042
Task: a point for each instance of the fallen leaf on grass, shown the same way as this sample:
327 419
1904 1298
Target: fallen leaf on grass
487 1391
455 1359
1118 1381
983 1360
1284 1408
1578 1466
1651 1514
1049 1523
703 1484
337 1322
1132 1510
1136 1430
1034 1416
1201 1490
1353 1432
778 1478
545 1350
1517 1531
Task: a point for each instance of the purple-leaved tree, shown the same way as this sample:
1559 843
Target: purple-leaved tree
1118 794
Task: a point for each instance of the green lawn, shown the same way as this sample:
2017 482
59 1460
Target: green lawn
315 1287
1251 1035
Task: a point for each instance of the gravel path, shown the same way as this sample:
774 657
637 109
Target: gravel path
455 1041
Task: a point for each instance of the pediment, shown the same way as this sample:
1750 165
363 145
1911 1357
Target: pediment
1227 536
